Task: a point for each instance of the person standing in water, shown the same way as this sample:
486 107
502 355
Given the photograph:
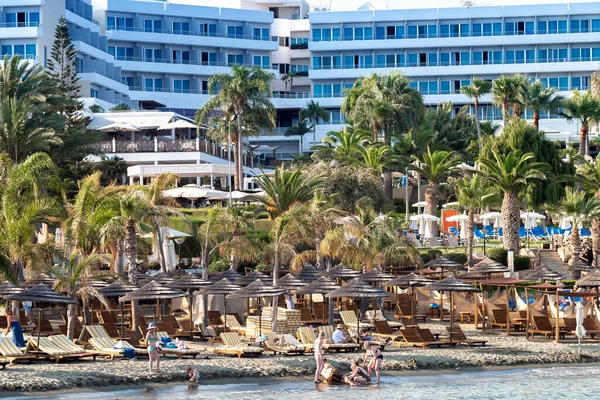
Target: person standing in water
318 351
376 359
13 324
152 343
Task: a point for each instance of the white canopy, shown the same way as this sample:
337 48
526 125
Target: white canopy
458 217
121 126
420 204
466 167
187 192
491 215
452 204
424 217
178 124
530 218
565 222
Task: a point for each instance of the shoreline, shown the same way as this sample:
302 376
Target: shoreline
151 386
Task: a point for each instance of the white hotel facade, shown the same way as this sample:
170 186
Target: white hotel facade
159 55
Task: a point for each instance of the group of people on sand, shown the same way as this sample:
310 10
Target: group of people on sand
358 375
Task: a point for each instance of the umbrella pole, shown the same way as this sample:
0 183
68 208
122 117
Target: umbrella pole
412 308
225 312
442 305
358 328
507 312
451 313
260 318
122 327
191 307
155 311
556 333
476 312
527 323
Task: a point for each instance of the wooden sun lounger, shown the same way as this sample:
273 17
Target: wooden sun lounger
404 312
350 319
413 338
307 318
12 353
543 326
46 348
427 336
295 348
384 330
234 346
307 337
457 335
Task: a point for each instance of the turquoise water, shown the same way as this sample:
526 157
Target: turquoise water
538 383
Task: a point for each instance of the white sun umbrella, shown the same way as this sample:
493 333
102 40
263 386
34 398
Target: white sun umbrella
420 204
466 167
452 204
119 127
463 230
579 329
423 220
565 222
495 216
179 124
186 192
427 231
414 225
458 218
530 218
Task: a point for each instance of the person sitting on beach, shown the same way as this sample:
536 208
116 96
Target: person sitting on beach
152 343
339 336
334 375
376 359
358 375
13 324
193 374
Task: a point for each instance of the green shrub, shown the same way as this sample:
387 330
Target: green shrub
259 235
498 254
426 258
522 263
460 258
219 266
434 253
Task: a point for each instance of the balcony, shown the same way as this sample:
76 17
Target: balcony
192 38
166 65
21 30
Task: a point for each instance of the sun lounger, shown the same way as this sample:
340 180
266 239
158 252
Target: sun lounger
427 336
294 347
307 337
232 345
350 319
45 347
378 316
377 340
501 319
214 318
414 240
457 334
405 312
11 352
384 330
432 242
412 338
543 326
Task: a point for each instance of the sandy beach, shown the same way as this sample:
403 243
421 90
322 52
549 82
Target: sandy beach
501 351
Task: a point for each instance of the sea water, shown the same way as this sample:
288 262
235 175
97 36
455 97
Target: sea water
536 383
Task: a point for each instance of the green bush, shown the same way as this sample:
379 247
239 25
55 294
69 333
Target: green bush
522 263
219 266
498 254
434 253
259 235
426 258
460 258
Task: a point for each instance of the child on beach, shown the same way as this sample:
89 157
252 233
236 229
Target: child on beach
358 375
375 363
193 374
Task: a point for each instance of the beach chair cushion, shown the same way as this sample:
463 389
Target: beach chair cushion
104 344
328 330
232 322
45 345
9 349
65 344
97 331
350 319
306 335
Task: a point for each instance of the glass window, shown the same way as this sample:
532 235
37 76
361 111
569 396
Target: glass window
368 61
148 25
380 33
110 21
520 56
530 56
465 58
596 25
510 57
256 33
444 31
575 82
380 61
34 19
412 60
498 57
432 59
542 56
596 54
348 35
509 28
584 26
358 34
454 30
529 28
337 62
326 35
316 35
433 87
327 92
464 30
336 33
390 60
349 62
487 29
368 33
400 60
497 29
432 31
552 27
337 91
562 26
574 26
424 87
444 59
318 91
542 27
575 54
422 31
30 51
476 28
585 54
256 60
477 58
445 87
412 32
563 83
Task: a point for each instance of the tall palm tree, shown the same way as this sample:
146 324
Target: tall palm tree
576 205
243 92
385 104
314 113
510 174
505 91
299 130
478 88
588 175
538 98
289 78
286 189
435 167
113 168
583 107
473 193
379 158
342 146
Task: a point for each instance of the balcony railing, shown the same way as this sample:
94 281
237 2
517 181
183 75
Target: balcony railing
189 32
19 24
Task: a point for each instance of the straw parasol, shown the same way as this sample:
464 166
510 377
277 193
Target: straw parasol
42 294
451 284
41 279
444 264
577 268
223 288
188 283
590 280
488 266
309 273
231 274
320 286
375 275
290 282
258 290
118 288
343 272
8 289
357 288
411 280
162 278
153 291
251 277
543 273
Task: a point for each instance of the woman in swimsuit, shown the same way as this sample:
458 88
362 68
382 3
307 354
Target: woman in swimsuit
359 374
151 342
377 359
318 351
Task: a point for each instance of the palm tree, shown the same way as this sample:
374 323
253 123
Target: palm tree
583 107
342 146
588 175
379 158
579 208
314 113
538 98
435 167
289 78
505 91
475 91
386 104
473 193
299 130
510 174
113 168
243 92
285 190
96 109
21 80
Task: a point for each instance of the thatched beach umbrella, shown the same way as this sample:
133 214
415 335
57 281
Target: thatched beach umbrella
489 266
162 278
188 283
577 268
251 277
309 273
257 290
543 273
412 281
42 294
343 272
41 279
321 286
8 289
357 288
223 288
231 274
118 288
153 291
375 275
290 282
452 285
444 264
590 280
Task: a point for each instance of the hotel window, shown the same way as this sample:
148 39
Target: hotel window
349 33
580 25
208 58
596 25
180 56
235 59
154 85
497 29
181 85
207 30
263 61
262 34
580 82
153 55
487 57
22 19
121 53
153 25
129 81
596 54
79 63
94 93
181 28
476 30
119 23
236 32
